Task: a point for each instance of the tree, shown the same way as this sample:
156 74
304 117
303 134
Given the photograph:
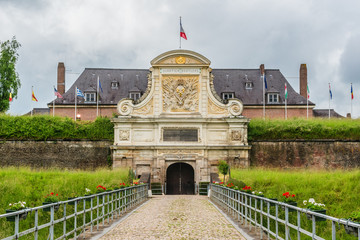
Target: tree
223 168
9 78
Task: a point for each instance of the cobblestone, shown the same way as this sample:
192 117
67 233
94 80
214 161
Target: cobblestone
175 217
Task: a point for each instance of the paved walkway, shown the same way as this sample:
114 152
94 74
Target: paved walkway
175 217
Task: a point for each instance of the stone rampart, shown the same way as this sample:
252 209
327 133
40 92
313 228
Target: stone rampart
319 154
81 154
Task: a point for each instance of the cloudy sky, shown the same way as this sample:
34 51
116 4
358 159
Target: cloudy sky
282 34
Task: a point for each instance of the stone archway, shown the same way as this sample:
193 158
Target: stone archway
180 179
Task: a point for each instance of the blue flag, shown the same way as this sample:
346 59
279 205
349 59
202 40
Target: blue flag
100 86
265 81
330 91
79 93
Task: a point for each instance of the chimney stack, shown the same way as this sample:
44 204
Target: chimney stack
303 80
61 78
262 69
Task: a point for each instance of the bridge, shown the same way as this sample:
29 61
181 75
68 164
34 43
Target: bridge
133 213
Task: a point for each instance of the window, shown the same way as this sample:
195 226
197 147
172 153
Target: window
90 97
114 85
180 135
273 98
248 85
226 96
135 96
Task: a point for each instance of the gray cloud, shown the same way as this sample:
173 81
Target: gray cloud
232 34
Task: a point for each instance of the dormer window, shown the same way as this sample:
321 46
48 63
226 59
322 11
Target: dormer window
135 93
135 96
90 97
273 98
114 85
227 95
248 85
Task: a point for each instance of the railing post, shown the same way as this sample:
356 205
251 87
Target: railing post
75 218
261 219
36 224
64 223
52 222
17 226
299 225
286 223
333 230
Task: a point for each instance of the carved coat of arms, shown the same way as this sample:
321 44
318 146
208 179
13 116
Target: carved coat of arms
180 94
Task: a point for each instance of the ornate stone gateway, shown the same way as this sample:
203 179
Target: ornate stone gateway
180 119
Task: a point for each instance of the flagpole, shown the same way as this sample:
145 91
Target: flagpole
285 102
75 102
351 98
263 80
32 90
307 102
180 33
54 105
97 97
329 100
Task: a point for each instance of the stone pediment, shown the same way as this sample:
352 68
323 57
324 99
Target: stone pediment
180 57
180 85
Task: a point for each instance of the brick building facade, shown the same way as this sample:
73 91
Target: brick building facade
243 84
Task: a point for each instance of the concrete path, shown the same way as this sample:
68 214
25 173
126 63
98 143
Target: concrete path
175 217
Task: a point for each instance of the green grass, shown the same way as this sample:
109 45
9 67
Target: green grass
341 129
339 190
23 184
48 127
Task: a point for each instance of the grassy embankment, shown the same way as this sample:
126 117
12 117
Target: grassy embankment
339 190
31 186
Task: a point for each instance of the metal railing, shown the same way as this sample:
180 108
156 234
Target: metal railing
263 214
87 213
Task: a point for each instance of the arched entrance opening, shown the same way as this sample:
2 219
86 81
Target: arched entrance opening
180 179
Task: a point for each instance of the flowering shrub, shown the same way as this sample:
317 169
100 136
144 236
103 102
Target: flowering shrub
52 198
247 189
123 185
287 197
258 193
88 191
230 185
17 206
100 189
312 205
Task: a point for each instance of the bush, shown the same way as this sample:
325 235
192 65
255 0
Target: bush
48 127
237 183
342 129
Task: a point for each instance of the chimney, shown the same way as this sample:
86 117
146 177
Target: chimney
262 69
303 80
61 78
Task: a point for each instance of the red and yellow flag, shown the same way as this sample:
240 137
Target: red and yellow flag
33 96
10 97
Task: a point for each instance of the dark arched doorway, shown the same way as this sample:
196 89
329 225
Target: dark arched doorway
180 179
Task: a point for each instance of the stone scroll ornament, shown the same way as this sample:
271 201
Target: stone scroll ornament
125 107
235 107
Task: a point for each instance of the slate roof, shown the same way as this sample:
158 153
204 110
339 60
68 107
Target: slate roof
324 113
225 80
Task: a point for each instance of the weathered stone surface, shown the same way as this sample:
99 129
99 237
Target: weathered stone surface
58 154
306 154
175 217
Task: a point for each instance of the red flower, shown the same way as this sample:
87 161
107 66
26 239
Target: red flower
52 193
57 194
293 195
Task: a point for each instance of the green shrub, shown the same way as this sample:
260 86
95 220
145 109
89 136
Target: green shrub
53 128
342 129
